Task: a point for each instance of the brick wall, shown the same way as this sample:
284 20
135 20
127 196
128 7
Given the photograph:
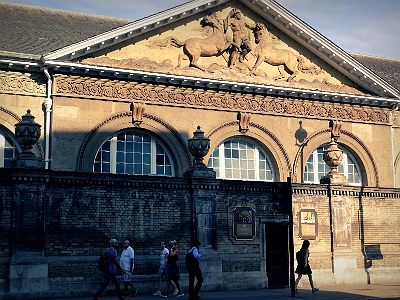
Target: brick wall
83 212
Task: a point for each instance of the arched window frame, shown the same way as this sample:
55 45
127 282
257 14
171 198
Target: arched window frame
319 168
153 153
9 148
222 169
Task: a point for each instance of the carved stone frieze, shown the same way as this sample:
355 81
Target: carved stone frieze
229 43
129 91
22 83
396 119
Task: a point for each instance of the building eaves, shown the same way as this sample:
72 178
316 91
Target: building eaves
269 10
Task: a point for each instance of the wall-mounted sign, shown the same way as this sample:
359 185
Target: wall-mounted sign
308 224
244 225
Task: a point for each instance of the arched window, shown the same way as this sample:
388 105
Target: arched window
317 168
133 152
8 148
238 158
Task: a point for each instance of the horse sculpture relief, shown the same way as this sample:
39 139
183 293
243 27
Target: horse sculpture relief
194 48
267 52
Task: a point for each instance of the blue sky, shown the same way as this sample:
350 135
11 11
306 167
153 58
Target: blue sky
362 26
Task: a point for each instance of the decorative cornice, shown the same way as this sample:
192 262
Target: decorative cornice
22 83
349 191
171 95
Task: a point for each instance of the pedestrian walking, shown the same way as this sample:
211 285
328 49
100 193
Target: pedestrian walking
172 270
162 268
110 273
303 266
193 265
127 262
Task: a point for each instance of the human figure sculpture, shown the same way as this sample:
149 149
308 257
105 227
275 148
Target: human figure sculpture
241 30
194 48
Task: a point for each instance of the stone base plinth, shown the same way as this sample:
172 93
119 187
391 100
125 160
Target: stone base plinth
201 172
334 178
28 273
28 163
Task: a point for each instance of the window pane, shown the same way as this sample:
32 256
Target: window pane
133 155
238 161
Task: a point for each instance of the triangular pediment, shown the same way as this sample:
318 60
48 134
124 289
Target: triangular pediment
194 41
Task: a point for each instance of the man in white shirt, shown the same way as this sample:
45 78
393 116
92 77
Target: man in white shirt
127 262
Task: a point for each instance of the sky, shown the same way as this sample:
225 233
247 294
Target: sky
358 26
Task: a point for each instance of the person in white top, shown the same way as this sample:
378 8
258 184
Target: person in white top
162 269
127 262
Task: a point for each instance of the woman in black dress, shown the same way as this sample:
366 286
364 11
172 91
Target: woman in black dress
303 267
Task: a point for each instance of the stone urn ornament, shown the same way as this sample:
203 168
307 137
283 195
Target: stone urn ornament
27 133
198 146
333 157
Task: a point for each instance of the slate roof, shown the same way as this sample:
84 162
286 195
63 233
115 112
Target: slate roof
36 30
387 68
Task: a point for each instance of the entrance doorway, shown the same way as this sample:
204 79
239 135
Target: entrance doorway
277 254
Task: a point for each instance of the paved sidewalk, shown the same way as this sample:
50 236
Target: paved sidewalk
357 292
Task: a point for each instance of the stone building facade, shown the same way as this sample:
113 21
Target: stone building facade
118 106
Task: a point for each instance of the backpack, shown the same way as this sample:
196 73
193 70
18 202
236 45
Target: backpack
190 260
102 263
300 257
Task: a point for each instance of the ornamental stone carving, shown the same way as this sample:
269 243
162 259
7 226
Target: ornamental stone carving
228 44
15 82
189 97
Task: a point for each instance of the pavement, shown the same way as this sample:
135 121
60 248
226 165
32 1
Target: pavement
342 292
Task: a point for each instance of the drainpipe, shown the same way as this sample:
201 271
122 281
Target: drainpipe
393 158
48 102
395 108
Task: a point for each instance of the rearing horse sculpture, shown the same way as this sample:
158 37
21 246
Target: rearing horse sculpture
194 48
266 51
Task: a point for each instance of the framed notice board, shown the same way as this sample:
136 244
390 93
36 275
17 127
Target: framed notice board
308 224
244 225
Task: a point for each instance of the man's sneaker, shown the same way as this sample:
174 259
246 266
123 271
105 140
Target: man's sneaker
315 290
296 291
176 292
158 293
180 294
134 293
163 295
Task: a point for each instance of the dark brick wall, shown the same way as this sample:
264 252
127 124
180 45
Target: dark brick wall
83 212
6 217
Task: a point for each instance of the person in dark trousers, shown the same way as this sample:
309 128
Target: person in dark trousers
303 267
110 274
195 271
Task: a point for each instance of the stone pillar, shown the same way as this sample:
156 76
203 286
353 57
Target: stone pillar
203 194
28 266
